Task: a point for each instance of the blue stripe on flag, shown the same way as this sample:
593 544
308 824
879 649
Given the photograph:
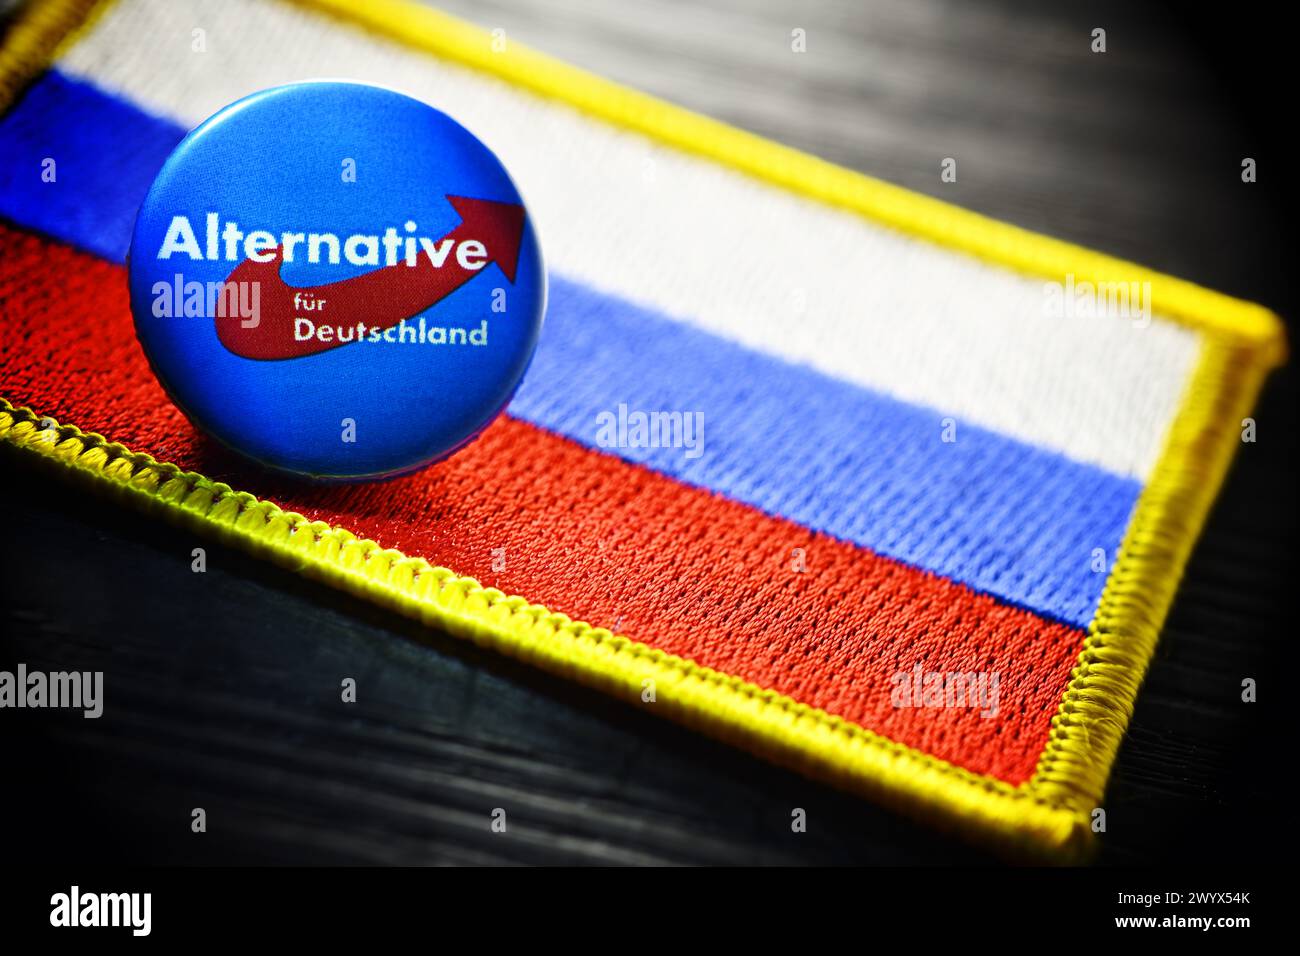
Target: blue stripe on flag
1000 515
105 153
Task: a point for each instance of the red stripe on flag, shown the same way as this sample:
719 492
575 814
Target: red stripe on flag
585 533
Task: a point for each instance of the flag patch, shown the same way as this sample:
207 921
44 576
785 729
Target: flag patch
878 488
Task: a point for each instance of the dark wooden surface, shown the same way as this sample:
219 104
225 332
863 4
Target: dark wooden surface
225 686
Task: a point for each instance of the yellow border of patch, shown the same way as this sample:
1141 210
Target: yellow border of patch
1047 816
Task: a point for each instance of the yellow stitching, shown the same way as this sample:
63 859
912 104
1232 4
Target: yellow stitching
38 32
1171 510
1095 708
1001 243
761 720
1242 341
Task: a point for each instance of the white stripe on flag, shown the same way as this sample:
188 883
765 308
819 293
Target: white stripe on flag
702 243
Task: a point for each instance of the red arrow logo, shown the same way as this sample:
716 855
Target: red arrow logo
382 298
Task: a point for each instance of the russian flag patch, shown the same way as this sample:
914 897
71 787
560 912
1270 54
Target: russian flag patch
873 486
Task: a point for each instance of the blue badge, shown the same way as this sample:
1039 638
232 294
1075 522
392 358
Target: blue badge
336 280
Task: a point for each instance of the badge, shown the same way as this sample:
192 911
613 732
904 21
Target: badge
336 280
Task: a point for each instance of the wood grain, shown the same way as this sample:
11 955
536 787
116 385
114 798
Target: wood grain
225 685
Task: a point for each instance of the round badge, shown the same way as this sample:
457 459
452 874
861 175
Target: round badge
336 280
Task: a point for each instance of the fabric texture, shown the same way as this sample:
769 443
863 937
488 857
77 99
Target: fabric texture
828 545
602 540
1003 516
704 244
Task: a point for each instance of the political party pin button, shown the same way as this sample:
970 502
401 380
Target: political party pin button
336 280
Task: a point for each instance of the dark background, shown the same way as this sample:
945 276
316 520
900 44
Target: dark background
223 688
